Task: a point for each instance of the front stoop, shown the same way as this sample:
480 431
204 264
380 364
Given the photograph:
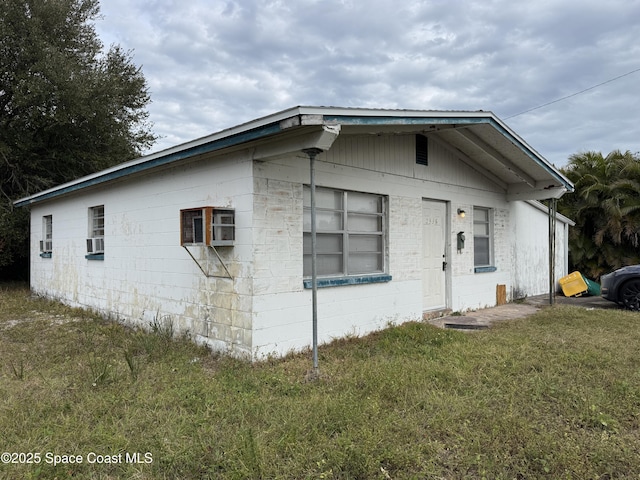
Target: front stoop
434 314
483 318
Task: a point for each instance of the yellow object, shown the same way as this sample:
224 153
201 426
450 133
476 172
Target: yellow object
573 285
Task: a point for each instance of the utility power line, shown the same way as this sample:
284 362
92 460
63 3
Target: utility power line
574 94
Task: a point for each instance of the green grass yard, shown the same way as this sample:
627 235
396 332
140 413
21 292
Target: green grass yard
555 395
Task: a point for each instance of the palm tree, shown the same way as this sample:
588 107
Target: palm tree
606 209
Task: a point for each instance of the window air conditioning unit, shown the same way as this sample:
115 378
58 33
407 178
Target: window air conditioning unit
207 226
95 245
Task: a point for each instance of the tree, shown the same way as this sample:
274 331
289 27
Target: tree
606 209
67 107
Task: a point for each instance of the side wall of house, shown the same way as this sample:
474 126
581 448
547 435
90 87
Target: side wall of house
381 165
530 234
146 278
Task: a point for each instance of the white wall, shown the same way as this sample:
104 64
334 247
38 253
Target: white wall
385 165
265 309
146 275
530 234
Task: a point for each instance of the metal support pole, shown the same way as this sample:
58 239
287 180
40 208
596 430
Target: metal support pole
553 207
312 152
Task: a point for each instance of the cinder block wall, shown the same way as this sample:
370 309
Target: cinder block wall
264 309
146 276
282 313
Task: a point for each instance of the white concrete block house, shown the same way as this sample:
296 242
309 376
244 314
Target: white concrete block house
214 235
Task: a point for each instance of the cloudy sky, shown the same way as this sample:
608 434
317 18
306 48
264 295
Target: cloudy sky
213 64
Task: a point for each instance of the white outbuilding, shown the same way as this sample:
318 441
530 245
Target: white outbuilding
416 211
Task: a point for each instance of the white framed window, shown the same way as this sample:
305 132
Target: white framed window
350 233
95 240
207 226
482 237
46 244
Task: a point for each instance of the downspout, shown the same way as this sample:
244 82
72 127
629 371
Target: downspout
312 153
328 136
552 209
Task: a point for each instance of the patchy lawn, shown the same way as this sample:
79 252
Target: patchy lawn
556 395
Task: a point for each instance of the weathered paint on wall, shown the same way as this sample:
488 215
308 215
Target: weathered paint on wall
146 276
530 250
285 306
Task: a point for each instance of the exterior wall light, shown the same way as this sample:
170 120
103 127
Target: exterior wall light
461 213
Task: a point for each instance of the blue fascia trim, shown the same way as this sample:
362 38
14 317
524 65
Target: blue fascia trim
484 269
212 146
46 254
340 281
95 256
273 128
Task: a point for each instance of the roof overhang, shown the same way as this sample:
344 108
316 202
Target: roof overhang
482 140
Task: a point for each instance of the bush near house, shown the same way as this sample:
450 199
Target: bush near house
556 395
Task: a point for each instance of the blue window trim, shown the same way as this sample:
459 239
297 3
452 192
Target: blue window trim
484 269
95 256
46 254
340 281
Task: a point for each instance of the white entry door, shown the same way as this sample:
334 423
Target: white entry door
434 251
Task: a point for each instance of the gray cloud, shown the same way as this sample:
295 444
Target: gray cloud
214 64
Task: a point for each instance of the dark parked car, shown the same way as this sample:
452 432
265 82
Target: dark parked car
622 286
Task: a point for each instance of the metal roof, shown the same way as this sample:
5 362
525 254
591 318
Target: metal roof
479 135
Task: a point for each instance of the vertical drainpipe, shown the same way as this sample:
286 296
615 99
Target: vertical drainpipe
312 153
323 142
553 207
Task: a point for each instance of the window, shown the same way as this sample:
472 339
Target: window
207 226
350 236
482 237
46 244
95 242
